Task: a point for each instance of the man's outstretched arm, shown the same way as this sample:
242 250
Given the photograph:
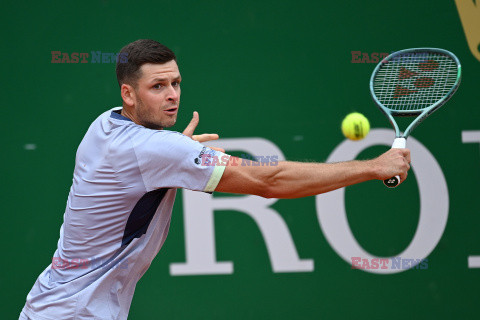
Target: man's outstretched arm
297 179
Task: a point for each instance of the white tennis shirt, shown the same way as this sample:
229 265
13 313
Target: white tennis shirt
117 216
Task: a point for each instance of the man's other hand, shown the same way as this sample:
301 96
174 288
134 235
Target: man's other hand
190 129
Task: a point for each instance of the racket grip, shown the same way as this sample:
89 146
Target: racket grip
398 143
393 182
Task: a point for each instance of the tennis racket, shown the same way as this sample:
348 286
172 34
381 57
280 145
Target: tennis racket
413 82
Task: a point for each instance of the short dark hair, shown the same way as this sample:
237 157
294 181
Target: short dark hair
137 54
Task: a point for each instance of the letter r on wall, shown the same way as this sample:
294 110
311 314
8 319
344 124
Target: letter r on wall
199 223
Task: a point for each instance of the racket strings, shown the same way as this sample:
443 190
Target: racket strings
415 81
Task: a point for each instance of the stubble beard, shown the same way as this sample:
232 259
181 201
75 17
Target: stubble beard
147 119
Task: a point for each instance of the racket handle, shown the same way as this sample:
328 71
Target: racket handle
393 182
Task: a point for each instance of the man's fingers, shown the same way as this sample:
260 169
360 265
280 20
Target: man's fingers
190 129
205 137
218 149
403 177
406 161
392 163
406 154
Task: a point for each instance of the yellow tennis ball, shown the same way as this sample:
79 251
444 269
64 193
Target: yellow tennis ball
355 126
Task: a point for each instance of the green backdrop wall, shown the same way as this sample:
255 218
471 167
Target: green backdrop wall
277 70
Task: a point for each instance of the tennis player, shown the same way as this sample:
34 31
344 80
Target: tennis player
127 171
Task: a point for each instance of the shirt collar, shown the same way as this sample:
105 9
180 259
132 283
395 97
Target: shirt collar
116 115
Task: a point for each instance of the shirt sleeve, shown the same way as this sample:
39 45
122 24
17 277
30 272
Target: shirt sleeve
169 159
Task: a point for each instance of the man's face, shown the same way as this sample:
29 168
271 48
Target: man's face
157 96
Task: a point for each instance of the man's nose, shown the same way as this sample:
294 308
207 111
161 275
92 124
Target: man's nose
173 94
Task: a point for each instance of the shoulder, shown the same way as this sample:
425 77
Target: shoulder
162 141
144 136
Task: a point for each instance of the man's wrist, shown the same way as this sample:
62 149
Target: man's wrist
371 169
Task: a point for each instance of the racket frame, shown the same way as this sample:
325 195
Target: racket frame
400 138
421 113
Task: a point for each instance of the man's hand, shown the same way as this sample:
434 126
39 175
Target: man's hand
202 137
394 162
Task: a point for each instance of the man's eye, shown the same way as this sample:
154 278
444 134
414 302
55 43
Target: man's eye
176 84
157 86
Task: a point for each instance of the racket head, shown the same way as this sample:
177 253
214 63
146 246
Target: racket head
414 82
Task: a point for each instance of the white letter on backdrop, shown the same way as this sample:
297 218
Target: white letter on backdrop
198 210
434 202
472 137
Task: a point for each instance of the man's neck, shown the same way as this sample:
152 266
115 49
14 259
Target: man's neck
126 114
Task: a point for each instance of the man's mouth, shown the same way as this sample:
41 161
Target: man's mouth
171 110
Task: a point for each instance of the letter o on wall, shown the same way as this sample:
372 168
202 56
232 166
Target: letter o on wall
434 202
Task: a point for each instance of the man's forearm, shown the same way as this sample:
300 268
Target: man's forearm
289 179
298 179
295 180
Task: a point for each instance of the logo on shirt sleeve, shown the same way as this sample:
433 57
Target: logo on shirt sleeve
198 160
205 156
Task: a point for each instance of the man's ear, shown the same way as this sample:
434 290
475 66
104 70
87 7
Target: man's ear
128 94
